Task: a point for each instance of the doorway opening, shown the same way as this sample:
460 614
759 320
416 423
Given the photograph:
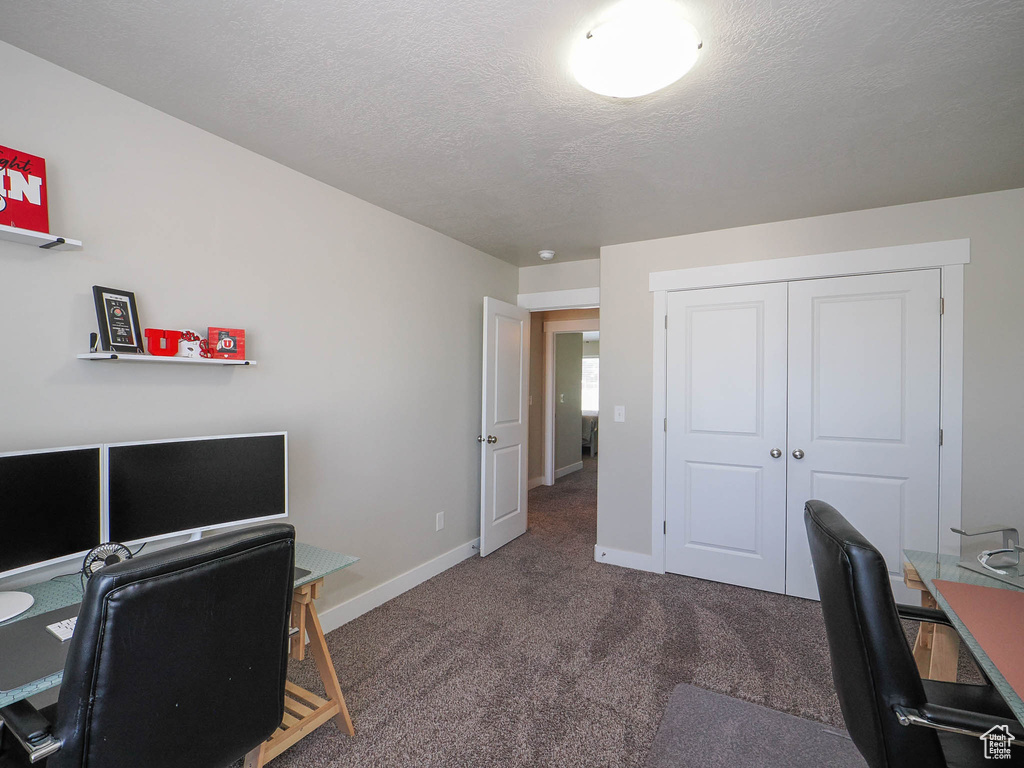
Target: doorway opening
564 381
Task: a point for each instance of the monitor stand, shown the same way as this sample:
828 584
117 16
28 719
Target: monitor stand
14 603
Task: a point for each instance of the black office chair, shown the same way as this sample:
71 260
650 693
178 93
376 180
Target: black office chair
178 659
894 717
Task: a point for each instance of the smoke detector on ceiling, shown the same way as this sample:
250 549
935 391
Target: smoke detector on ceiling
546 255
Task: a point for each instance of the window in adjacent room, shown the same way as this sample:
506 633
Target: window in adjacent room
590 379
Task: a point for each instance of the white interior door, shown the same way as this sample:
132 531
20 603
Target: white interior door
726 407
864 413
504 431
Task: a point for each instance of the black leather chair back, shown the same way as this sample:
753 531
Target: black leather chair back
179 656
872 665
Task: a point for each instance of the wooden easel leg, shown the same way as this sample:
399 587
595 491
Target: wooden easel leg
923 648
318 645
937 648
298 642
945 654
944 647
254 759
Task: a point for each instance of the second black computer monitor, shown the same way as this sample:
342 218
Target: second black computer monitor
165 488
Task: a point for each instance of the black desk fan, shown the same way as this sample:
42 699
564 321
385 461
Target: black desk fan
105 554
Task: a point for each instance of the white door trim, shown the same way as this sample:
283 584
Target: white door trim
551 327
951 408
575 298
896 258
572 326
659 438
950 256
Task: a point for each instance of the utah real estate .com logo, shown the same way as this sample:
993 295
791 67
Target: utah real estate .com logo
998 740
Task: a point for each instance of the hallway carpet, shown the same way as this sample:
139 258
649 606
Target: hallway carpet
538 656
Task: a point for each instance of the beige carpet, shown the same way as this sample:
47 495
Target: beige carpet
538 656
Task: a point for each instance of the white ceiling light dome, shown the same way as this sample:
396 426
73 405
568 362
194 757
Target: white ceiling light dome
638 47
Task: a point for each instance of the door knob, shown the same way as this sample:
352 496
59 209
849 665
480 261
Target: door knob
479 438
798 454
775 453
492 439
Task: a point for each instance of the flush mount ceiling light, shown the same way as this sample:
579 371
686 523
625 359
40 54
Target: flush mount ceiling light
638 47
546 255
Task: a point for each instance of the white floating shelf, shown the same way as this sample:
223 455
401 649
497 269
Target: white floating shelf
119 357
41 239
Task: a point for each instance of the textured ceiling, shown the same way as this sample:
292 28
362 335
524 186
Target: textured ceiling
462 115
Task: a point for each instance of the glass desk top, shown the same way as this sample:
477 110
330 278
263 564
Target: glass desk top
320 562
67 590
944 567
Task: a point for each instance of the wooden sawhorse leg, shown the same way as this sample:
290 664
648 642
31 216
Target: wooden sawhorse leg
304 712
937 648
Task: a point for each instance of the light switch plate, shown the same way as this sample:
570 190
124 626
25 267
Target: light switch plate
620 413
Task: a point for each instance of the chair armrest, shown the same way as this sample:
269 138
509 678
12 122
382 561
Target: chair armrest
920 613
25 721
31 729
953 720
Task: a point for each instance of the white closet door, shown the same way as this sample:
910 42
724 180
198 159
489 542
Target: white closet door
726 406
864 413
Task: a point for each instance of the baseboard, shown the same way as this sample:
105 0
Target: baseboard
534 482
625 559
342 614
568 470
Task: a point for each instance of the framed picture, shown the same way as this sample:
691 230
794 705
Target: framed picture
118 318
227 343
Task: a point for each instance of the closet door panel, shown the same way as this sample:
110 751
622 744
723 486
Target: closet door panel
864 412
726 407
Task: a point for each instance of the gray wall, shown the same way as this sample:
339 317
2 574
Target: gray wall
329 289
993 483
559 276
568 381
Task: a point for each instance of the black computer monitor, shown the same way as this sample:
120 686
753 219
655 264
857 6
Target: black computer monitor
50 508
50 512
171 487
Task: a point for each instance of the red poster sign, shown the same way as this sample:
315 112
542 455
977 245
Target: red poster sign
23 191
227 343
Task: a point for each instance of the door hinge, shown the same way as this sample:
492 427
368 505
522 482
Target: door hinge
942 306
666 322
664 527
940 437
664 424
